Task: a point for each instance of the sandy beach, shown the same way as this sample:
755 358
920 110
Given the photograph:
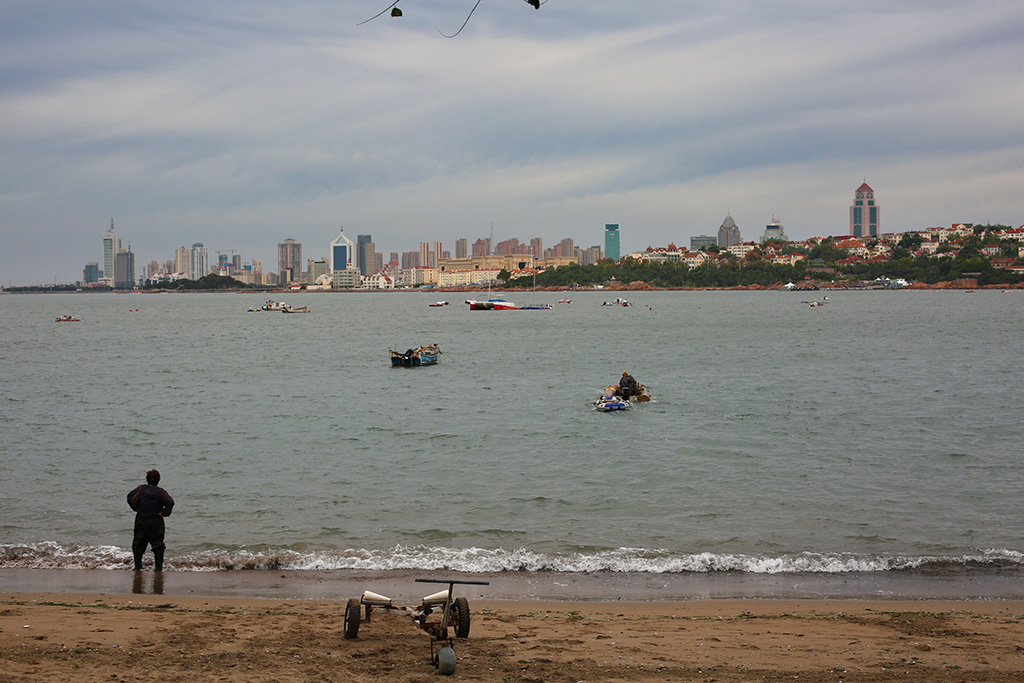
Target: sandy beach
62 636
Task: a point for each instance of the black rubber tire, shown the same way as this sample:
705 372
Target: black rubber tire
446 661
352 610
461 608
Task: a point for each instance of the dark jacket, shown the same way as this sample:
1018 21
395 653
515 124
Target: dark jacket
151 501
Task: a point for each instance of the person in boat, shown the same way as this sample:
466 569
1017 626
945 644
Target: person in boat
627 385
151 504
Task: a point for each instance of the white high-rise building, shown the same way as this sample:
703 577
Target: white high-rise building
111 245
197 261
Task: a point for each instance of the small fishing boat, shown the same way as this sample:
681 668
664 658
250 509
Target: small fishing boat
438 304
538 307
299 309
609 404
619 301
66 319
271 305
413 358
491 305
565 301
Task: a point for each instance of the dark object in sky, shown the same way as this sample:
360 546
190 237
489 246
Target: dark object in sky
396 12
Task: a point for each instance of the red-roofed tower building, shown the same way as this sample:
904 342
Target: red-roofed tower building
864 213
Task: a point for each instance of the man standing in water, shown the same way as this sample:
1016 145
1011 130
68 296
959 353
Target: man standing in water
151 504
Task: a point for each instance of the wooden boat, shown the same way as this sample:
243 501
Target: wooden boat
66 319
299 309
438 304
413 358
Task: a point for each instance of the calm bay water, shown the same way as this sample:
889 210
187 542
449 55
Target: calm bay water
879 432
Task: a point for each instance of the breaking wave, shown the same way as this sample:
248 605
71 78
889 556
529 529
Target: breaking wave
51 555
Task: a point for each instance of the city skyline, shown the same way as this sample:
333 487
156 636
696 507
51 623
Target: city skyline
662 117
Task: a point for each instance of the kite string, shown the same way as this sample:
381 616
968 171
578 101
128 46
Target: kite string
463 23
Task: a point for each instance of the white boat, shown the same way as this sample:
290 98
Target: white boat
271 305
491 305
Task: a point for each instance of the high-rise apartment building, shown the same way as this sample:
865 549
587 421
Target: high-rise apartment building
461 248
864 213
611 241
198 261
289 260
728 233
111 245
481 248
425 255
316 268
181 260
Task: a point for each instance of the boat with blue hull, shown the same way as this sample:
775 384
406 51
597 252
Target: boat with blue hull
610 404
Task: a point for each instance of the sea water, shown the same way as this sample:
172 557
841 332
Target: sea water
880 432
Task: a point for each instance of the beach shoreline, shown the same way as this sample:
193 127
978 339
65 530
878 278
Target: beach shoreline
57 636
340 584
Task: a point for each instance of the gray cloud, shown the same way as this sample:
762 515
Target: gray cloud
240 124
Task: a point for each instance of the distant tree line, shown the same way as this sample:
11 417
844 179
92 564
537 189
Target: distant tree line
207 282
822 263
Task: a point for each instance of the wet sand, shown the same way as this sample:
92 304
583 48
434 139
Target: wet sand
62 636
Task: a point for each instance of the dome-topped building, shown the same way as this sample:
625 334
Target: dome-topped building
728 233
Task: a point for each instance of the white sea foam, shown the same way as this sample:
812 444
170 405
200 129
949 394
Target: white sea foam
48 555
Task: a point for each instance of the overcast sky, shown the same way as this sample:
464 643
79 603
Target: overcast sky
239 124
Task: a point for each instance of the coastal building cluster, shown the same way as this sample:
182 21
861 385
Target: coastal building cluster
351 264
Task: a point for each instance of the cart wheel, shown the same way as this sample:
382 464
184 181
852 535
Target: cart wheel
446 661
352 619
461 607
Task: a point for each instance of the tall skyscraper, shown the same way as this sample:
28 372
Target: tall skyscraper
366 250
198 261
864 223
342 253
124 269
611 241
289 260
425 255
111 245
461 248
728 233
